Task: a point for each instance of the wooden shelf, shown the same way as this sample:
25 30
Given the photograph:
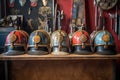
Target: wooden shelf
56 57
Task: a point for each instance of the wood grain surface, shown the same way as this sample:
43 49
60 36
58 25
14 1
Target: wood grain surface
59 57
62 70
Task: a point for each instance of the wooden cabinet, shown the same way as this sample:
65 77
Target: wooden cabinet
69 67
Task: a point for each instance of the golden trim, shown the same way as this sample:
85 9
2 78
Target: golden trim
39 46
103 45
15 44
44 32
81 45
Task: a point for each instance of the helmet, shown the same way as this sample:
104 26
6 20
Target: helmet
59 43
16 42
80 42
39 43
104 43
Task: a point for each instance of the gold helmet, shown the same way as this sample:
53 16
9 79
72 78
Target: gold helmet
59 43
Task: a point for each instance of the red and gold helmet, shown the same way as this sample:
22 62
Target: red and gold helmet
59 43
16 42
80 42
39 43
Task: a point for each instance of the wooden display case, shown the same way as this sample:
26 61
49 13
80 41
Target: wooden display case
68 67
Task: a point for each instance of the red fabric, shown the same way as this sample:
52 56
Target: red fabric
66 6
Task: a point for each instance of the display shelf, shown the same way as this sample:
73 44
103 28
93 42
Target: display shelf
58 57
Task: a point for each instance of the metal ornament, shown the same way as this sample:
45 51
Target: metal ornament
55 16
106 4
59 43
12 38
29 11
72 28
83 38
106 38
57 37
45 10
36 39
33 3
29 23
43 24
22 2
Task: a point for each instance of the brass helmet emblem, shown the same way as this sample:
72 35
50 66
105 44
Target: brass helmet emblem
106 38
83 38
36 39
12 38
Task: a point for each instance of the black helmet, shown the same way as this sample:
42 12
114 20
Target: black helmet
39 43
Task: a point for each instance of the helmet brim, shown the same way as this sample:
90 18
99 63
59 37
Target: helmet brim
108 51
37 52
14 52
59 53
83 51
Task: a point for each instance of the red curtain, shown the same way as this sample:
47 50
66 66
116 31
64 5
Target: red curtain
66 6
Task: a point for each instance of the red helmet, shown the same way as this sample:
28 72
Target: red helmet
16 42
80 42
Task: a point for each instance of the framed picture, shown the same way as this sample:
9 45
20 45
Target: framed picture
33 15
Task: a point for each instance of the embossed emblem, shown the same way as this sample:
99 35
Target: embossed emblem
83 38
106 38
45 10
12 38
36 39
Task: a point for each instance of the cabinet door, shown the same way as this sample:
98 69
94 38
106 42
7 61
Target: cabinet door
2 72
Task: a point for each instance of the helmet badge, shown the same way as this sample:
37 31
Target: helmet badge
36 40
12 38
